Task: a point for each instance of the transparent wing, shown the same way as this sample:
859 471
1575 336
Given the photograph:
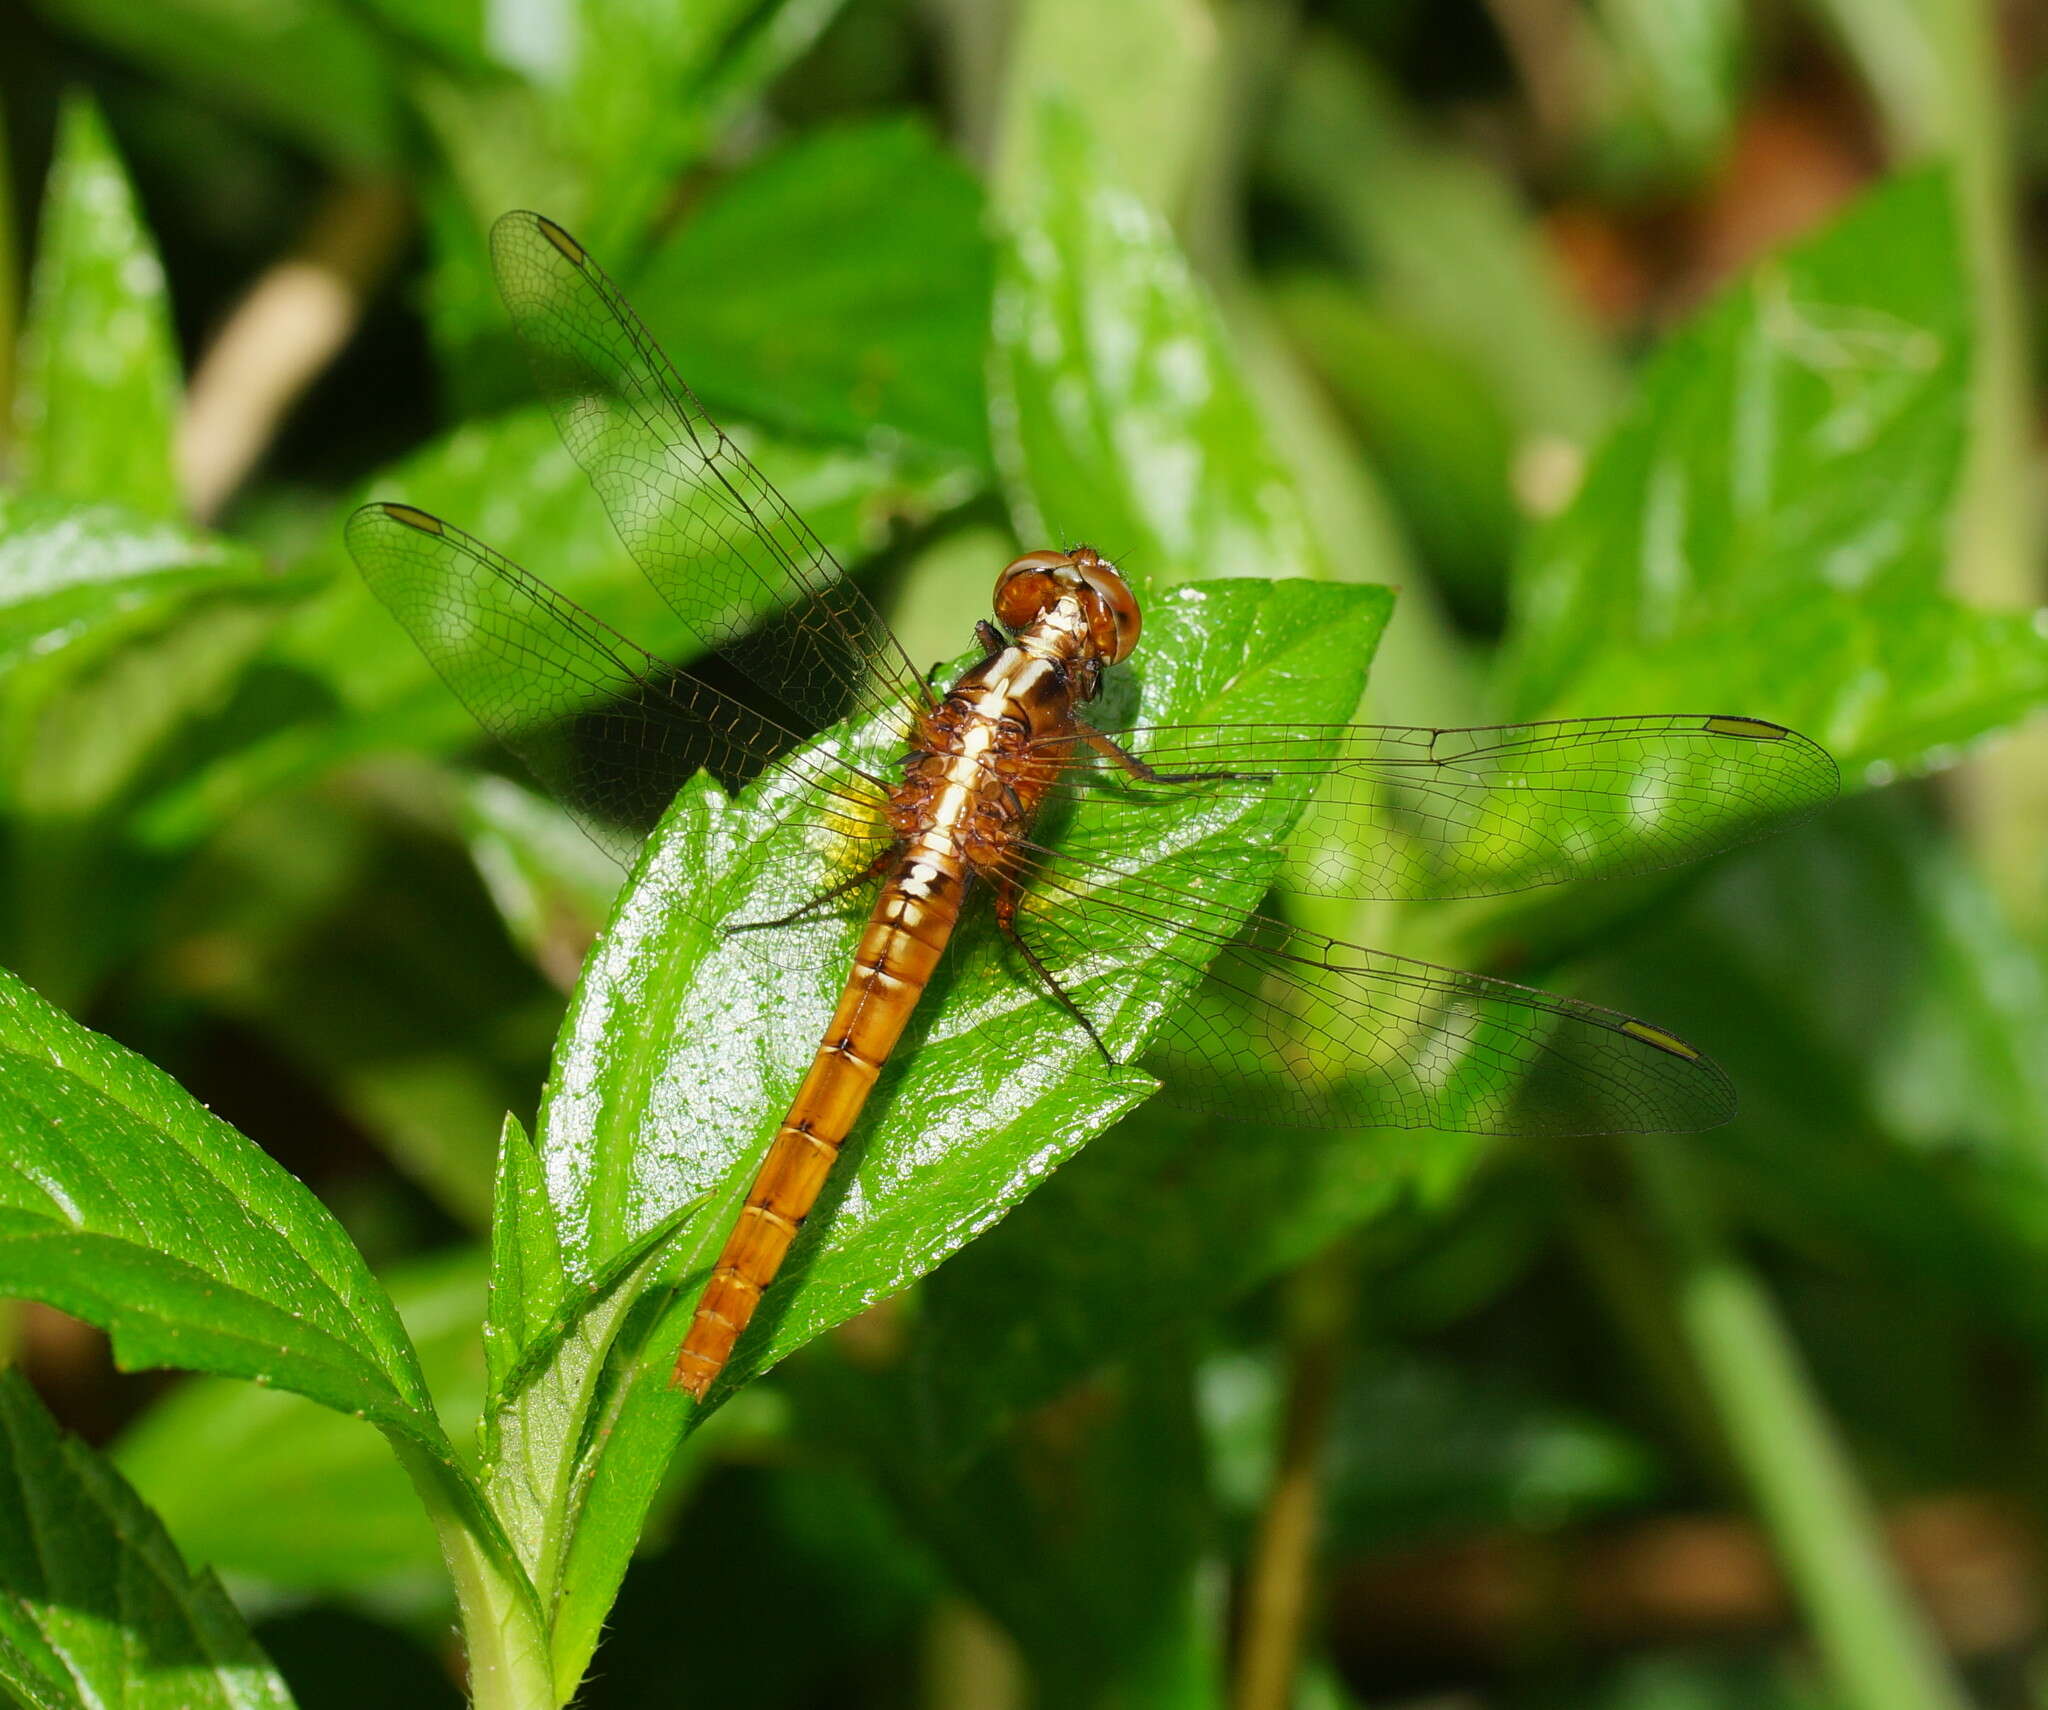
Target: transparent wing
1287 1026
717 541
1430 814
609 729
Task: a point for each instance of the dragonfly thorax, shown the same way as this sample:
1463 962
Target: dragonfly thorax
1034 583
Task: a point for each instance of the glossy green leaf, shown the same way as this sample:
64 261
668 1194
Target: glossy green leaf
1145 72
267 1487
96 403
118 635
1767 531
305 69
1118 416
90 577
839 286
684 1048
128 1204
1216 652
552 886
96 1607
601 107
529 1286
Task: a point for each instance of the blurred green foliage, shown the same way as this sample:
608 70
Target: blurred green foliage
1494 303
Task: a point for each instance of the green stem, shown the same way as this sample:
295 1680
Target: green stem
1280 1582
502 1631
1871 1637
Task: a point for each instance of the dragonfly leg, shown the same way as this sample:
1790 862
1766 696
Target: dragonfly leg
873 870
1121 757
1007 893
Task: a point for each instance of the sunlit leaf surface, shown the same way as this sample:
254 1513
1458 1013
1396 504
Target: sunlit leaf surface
127 1204
265 1486
1118 415
96 1607
98 392
1768 530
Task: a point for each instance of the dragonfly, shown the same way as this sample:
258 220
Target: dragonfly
1005 787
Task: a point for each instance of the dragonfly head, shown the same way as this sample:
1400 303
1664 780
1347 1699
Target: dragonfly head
1038 580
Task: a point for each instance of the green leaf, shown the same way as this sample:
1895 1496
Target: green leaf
1073 1280
618 1133
96 1607
685 1046
1118 415
117 634
91 577
768 309
1145 72
1893 1080
129 1205
1439 239
601 108
1435 428
551 884
529 1286
1767 531
305 69
96 405
268 1487
1678 83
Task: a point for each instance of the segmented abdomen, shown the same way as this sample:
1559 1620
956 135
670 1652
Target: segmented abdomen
912 919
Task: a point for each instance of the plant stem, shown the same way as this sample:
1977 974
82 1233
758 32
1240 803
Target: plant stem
281 336
1277 1587
503 1635
1875 1645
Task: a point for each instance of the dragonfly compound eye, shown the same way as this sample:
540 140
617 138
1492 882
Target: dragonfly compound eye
1114 617
1032 583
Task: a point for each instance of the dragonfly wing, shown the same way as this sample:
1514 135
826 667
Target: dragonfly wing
609 729
717 541
1308 1031
1413 814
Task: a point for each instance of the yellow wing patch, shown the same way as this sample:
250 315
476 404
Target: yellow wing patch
569 247
420 520
1663 1041
1760 729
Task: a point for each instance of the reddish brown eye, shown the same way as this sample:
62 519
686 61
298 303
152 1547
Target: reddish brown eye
1035 581
1126 620
1028 586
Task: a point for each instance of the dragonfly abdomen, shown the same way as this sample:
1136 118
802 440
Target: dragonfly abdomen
964 800
911 922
